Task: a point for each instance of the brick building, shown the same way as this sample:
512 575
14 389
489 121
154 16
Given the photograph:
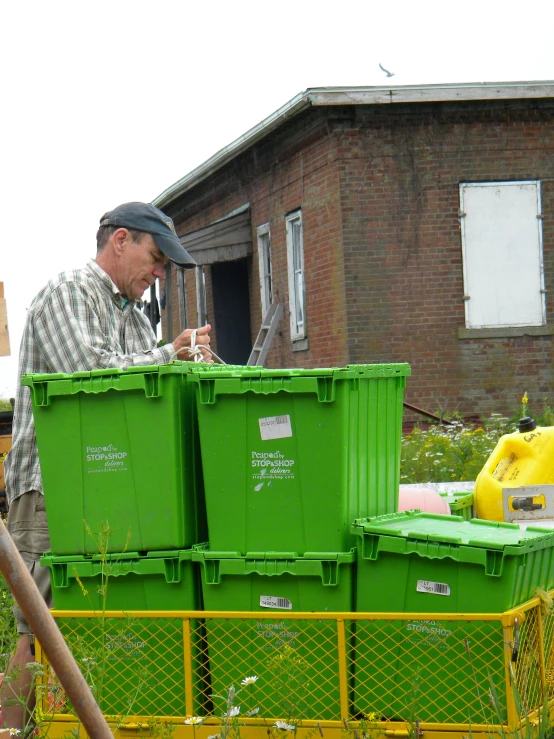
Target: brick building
402 224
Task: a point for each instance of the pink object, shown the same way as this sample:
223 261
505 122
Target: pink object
425 499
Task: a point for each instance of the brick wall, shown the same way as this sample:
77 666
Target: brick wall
293 168
400 177
379 192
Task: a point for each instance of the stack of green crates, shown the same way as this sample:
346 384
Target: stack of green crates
270 647
290 458
270 466
121 470
421 563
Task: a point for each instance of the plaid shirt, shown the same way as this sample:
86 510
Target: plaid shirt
76 323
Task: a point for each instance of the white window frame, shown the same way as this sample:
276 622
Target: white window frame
296 277
492 279
263 233
201 301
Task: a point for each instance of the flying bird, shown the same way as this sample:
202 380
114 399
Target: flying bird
389 74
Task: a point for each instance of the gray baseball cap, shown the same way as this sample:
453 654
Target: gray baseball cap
146 217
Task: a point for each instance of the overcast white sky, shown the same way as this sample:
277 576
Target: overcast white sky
114 100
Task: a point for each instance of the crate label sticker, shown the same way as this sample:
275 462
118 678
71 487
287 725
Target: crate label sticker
436 588
275 427
105 458
271 601
270 466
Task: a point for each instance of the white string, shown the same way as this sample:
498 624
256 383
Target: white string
196 352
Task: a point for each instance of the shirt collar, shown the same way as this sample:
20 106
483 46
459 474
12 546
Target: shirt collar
107 284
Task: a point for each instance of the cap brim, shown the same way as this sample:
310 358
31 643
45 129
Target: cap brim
172 248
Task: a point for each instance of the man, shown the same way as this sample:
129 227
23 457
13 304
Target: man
83 320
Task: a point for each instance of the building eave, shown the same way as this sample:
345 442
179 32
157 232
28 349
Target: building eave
328 96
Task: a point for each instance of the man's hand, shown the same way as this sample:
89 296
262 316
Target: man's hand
182 343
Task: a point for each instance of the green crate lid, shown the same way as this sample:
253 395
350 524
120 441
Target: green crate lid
64 568
351 371
148 378
175 368
436 536
312 564
321 382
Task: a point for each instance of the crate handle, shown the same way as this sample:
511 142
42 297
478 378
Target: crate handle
39 394
42 392
330 572
370 547
211 571
59 575
210 388
494 562
172 570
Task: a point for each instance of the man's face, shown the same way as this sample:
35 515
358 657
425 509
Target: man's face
140 264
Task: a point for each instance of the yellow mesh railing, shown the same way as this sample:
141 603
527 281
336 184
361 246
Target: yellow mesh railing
448 670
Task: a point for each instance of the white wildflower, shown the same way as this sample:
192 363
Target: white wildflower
193 721
214 736
249 680
283 725
235 710
253 711
15 732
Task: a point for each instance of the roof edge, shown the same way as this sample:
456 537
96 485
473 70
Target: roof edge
289 110
321 96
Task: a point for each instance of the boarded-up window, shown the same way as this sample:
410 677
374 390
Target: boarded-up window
502 254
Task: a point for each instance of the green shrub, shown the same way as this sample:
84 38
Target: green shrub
457 452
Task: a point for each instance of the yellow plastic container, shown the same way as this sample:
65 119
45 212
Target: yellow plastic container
525 457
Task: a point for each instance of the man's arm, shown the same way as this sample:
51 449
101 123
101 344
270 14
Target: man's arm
69 333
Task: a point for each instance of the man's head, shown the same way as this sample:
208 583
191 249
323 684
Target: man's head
145 218
134 242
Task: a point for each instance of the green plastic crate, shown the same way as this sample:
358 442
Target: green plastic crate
291 457
287 656
119 446
469 566
425 563
461 504
163 581
132 658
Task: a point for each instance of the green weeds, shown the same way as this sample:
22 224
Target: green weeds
458 452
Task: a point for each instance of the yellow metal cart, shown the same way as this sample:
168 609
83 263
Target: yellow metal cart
358 675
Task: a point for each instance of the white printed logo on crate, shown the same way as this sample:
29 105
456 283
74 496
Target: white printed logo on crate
433 633
277 635
105 458
271 466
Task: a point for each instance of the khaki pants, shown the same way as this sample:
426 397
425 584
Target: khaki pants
28 527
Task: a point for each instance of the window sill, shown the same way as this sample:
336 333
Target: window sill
504 332
300 345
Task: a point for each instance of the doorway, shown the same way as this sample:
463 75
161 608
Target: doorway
232 310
